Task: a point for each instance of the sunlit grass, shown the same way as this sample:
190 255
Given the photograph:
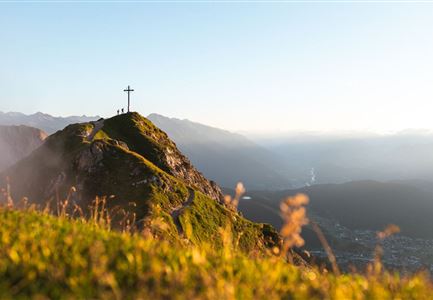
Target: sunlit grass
58 257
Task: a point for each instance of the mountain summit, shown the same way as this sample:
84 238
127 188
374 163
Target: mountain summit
132 161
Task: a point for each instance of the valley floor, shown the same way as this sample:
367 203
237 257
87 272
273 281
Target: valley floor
355 248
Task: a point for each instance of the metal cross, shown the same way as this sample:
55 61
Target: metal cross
129 90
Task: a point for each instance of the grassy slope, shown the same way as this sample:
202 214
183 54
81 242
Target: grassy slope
203 219
200 221
45 256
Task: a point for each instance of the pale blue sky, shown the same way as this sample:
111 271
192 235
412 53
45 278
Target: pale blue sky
241 66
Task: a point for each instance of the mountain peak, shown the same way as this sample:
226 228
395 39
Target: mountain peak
144 138
129 159
132 133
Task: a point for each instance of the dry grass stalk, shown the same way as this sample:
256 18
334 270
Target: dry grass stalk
62 206
98 212
388 231
233 202
9 201
328 250
378 252
294 216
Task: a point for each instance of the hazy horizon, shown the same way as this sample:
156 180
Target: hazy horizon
244 67
273 134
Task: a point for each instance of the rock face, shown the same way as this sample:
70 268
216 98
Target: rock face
16 142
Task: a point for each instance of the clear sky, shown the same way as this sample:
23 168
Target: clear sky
240 66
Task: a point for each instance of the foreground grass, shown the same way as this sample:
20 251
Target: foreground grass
42 256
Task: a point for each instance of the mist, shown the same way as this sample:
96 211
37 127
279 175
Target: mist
16 142
341 157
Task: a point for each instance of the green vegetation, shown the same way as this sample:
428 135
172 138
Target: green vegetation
141 136
42 256
69 139
203 219
136 180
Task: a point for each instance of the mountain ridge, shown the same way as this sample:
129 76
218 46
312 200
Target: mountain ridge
224 156
43 121
129 160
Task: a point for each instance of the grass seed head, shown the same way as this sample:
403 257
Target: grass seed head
294 216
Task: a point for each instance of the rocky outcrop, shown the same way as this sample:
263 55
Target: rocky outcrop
181 167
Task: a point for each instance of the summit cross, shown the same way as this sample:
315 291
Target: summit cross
128 90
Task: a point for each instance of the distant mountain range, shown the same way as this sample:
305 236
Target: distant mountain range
45 122
226 157
296 161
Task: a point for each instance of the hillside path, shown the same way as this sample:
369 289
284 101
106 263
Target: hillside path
177 211
97 126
